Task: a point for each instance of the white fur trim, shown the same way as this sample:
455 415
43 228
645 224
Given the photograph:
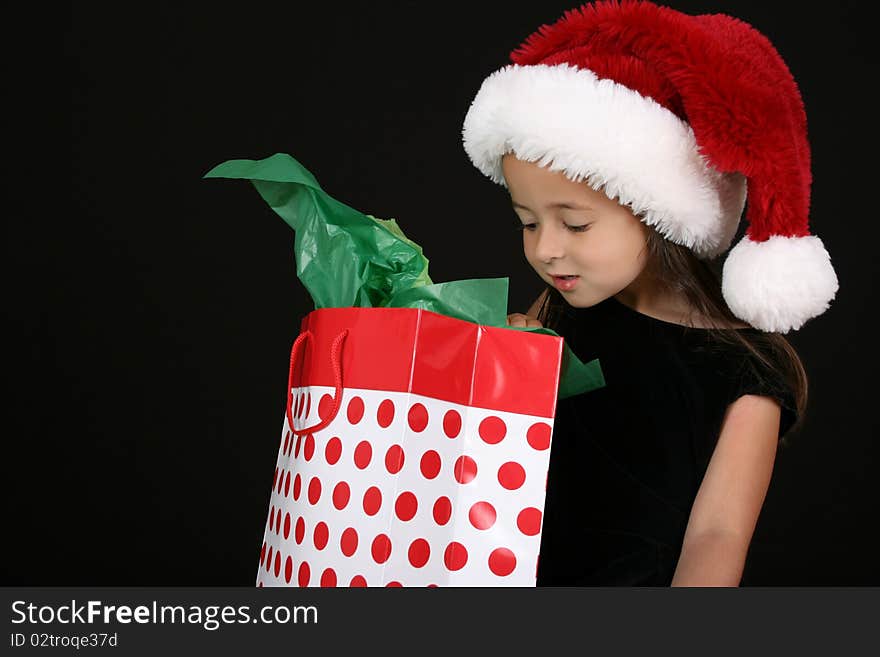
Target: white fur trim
779 284
625 144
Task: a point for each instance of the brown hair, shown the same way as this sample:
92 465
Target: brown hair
678 270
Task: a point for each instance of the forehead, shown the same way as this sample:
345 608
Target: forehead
524 172
530 184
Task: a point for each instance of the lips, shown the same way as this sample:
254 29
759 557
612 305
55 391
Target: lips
565 284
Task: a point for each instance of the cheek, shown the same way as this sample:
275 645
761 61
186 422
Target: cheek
528 247
621 249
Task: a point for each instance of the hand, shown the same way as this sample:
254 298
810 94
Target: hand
526 321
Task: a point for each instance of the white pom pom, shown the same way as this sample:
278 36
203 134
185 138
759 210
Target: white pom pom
778 284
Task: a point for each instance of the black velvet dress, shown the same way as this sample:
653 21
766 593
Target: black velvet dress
627 460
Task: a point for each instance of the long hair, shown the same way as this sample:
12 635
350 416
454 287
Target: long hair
679 271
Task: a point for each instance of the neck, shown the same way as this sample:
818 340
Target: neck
646 295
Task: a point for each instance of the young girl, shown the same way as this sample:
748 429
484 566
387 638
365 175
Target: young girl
629 136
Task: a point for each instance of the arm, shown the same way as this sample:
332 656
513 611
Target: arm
531 316
731 495
535 307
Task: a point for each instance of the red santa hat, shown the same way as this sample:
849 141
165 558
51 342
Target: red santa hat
680 118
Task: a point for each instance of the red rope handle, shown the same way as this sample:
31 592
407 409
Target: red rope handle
336 360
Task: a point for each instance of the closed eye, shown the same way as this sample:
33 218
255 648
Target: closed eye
531 227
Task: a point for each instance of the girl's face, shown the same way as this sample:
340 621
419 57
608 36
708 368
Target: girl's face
570 228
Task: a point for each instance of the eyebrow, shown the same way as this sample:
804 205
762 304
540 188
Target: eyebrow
564 205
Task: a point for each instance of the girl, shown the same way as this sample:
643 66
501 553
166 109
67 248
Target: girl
629 136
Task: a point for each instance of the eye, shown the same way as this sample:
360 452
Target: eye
531 227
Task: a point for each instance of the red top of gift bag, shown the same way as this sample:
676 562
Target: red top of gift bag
419 351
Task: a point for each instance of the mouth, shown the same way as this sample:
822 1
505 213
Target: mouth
565 283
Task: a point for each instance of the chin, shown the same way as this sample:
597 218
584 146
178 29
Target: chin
584 300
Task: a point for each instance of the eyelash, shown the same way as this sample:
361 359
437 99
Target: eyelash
574 229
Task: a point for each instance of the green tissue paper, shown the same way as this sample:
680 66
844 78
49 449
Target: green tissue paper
345 258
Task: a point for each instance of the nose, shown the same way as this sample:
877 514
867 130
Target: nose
548 242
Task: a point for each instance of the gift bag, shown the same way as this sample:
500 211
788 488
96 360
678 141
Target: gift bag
414 452
415 445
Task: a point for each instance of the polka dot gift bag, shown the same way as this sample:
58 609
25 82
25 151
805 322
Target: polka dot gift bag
412 451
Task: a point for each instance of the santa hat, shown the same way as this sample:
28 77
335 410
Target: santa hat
677 117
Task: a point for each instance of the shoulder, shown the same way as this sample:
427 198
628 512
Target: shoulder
759 387
756 369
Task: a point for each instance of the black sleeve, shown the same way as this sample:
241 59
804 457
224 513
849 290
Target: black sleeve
754 378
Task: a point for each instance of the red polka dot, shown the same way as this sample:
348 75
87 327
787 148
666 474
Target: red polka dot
277 563
452 423
385 414
349 541
442 510
322 535
309 449
328 578
430 464
511 475
308 403
465 469
362 454
305 573
325 405
482 515
297 486
286 443
286 525
355 410
406 506
314 490
298 445
538 435
341 495
272 518
288 569
419 551
260 584
502 562
432 586
298 399
418 417
299 531
372 501
393 585
275 479
269 559
529 521
278 523
455 557
263 554
492 430
333 450
358 580
381 548
287 484
394 459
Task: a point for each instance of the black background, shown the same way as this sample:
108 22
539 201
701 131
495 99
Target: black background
150 312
